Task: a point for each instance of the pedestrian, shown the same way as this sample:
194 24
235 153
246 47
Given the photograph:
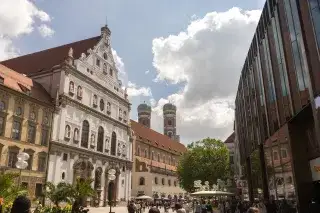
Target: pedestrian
154 210
132 207
253 210
21 204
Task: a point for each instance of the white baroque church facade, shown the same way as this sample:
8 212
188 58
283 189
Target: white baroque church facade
91 132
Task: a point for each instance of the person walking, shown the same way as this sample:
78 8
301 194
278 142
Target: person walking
132 207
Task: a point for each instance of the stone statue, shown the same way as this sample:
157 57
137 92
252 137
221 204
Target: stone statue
70 53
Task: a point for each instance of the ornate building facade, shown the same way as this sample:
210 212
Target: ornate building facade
25 124
155 160
90 133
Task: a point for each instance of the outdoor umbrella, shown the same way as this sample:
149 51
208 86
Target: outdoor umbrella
211 193
144 197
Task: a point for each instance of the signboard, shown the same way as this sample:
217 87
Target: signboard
315 169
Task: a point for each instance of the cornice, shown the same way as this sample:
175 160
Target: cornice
70 69
86 153
26 97
64 100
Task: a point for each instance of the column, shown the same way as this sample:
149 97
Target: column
56 171
70 169
103 186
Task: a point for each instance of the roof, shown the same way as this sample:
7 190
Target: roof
156 139
23 84
46 59
230 139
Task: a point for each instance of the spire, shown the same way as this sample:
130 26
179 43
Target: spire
105 31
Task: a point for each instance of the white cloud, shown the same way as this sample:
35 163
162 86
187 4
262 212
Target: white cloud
207 58
45 31
146 72
123 76
17 17
133 90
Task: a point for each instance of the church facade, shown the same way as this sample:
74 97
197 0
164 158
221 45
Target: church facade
90 133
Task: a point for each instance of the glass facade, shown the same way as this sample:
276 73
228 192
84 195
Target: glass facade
315 14
298 51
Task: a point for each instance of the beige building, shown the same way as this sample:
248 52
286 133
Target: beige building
25 124
155 158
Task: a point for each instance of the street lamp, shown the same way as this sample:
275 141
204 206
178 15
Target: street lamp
111 177
22 163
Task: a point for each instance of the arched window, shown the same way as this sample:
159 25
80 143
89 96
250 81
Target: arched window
105 68
146 153
156 180
169 182
141 181
152 155
101 104
110 71
120 114
76 134
163 159
100 139
79 92
169 122
162 181
71 87
95 100
159 157
85 134
175 183
67 132
105 56
169 160
113 143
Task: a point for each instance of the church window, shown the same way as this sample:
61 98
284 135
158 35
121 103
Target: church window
113 143
71 87
105 56
100 139
76 135
63 176
98 62
169 160
67 132
79 92
156 180
110 72
141 181
95 100
152 155
16 129
101 104
18 111
85 134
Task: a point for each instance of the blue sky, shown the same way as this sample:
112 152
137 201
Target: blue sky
134 25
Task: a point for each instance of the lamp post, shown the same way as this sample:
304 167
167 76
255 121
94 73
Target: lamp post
111 177
22 163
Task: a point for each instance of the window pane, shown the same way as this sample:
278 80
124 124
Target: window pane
12 159
44 137
16 130
31 133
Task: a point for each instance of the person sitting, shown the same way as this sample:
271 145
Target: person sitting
21 204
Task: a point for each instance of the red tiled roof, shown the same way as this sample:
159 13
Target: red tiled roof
156 139
230 139
17 81
46 59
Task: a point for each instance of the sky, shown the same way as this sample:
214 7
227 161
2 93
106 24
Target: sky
187 52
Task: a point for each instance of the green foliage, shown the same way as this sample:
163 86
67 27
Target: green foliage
70 193
9 190
206 160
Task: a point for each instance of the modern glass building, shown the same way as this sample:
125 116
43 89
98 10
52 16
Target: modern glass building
277 118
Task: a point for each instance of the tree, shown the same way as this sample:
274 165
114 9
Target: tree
206 160
9 190
59 193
